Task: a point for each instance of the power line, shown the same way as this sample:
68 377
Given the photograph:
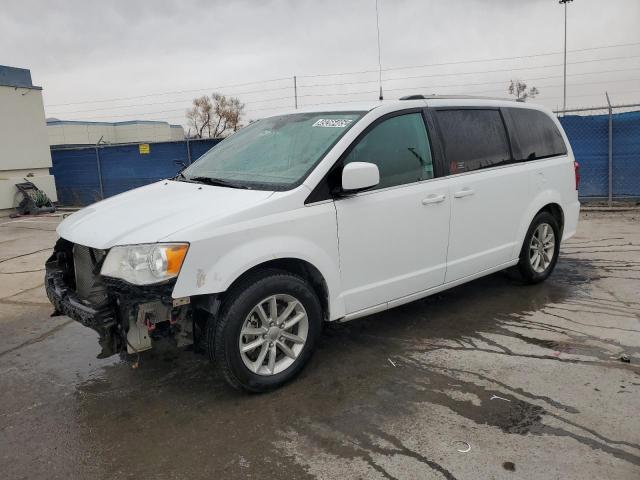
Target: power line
458 62
372 92
354 93
331 74
175 92
325 94
432 75
286 107
341 93
557 85
502 82
619 92
510 58
448 85
157 103
132 114
548 98
484 91
406 88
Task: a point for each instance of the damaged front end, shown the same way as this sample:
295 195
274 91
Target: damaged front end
127 317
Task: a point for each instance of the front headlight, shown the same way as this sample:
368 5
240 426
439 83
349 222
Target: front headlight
145 264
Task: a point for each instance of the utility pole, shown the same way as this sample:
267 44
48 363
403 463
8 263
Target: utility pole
564 83
295 90
610 163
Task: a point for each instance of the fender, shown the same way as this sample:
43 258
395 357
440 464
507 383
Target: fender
542 199
228 256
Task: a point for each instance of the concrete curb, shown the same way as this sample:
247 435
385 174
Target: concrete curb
610 209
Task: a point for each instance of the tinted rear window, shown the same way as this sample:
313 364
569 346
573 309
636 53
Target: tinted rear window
536 135
473 139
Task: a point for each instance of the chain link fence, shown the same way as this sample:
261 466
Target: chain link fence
87 174
606 143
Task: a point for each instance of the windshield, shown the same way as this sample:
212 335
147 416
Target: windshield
275 153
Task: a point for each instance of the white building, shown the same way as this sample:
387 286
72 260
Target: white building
73 132
24 145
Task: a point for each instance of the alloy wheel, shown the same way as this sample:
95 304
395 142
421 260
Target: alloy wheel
542 248
273 334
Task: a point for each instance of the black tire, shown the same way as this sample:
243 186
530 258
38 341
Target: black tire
525 267
223 332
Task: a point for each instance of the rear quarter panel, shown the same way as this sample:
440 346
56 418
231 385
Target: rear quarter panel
550 181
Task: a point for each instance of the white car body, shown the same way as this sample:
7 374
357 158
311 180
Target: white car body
374 250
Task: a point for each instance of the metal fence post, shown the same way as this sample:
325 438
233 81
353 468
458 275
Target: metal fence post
295 91
610 200
99 172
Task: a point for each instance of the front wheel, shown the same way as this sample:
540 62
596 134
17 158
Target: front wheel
266 332
540 250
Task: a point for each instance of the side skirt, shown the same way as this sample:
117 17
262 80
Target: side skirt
424 293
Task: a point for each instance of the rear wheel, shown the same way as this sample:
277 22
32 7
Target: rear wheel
266 332
540 250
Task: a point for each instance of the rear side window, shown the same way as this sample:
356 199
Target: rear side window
473 139
399 146
536 136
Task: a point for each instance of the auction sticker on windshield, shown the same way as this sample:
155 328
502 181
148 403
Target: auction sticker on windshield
332 123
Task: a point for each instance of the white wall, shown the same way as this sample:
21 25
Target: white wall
176 132
24 146
90 133
79 133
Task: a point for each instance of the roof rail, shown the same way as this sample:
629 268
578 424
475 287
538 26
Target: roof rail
433 97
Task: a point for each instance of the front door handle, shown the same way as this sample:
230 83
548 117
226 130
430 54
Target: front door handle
431 199
465 192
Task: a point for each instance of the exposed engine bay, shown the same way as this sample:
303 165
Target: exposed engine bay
128 318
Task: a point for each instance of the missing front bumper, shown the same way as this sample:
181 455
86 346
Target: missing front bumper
127 317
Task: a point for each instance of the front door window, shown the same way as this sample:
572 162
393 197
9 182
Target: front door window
399 146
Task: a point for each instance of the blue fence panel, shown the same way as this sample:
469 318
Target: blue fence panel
200 147
589 138
76 176
626 154
125 168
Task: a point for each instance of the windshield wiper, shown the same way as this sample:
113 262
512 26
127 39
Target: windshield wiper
217 182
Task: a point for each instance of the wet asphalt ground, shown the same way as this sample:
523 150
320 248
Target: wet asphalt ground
492 379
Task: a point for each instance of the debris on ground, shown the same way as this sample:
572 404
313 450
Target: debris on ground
34 201
625 358
463 447
496 397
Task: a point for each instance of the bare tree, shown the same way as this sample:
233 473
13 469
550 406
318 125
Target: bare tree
215 116
519 90
199 116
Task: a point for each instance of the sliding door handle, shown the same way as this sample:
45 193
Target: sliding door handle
465 192
431 199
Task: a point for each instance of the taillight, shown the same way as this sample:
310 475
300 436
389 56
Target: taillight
576 169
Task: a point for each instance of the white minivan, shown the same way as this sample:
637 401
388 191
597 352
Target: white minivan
314 216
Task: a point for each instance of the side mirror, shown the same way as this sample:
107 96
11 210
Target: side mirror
358 176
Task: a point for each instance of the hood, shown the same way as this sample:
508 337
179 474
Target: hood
151 213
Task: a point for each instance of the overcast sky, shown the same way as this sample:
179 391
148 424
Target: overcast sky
159 54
